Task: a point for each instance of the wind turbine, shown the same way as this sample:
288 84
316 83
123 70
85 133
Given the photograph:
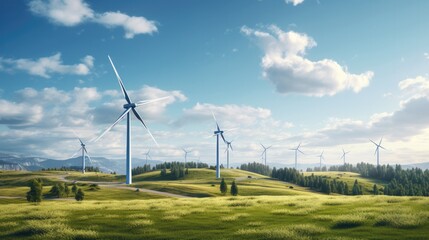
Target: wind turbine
344 156
377 150
321 157
147 156
264 153
296 154
228 146
129 107
84 153
218 132
186 154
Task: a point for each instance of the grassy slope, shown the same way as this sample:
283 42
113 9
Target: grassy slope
349 178
263 217
202 183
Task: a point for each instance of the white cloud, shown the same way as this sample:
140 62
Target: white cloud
285 66
74 12
231 115
426 55
294 2
46 66
63 12
132 25
415 87
19 114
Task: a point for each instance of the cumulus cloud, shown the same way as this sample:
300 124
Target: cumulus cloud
19 114
415 87
284 65
232 115
294 2
62 12
73 12
46 66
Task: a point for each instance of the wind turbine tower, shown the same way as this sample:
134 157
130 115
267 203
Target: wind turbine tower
264 153
186 154
218 132
129 106
84 153
147 156
228 146
344 156
377 150
320 158
296 154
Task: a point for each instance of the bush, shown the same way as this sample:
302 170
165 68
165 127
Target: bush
80 195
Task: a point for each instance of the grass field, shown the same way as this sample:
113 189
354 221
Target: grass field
263 217
265 209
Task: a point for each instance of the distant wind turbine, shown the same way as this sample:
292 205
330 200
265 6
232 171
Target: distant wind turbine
129 107
344 156
377 150
147 156
84 153
296 154
186 154
321 157
228 146
218 132
264 153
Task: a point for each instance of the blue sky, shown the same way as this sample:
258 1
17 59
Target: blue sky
329 74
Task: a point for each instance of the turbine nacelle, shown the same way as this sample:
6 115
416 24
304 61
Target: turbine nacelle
129 105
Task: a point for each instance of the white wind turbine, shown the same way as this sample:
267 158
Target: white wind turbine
377 150
218 132
296 154
129 107
344 156
147 156
228 146
186 154
84 153
264 153
321 157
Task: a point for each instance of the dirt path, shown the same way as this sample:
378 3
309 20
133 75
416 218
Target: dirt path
123 186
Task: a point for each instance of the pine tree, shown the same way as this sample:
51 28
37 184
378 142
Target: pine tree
356 188
80 195
234 189
223 187
67 190
35 193
375 189
74 188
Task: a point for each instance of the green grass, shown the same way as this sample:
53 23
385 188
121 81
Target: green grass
257 217
202 183
349 178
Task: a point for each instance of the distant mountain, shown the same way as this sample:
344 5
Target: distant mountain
424 165
37 163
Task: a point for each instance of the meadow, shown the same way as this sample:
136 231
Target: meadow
265 209
259 217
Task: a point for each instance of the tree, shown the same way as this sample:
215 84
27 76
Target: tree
375 189
35 193
67 190
79 195
356 189
223 186
58 190
74 188
234 189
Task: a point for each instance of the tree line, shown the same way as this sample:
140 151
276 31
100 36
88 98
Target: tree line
256 168
58 190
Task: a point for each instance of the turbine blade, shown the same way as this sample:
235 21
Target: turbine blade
300 151
147 129
87 154
76 152
299 145
262 146
116 122
383 148
229 130
217 125
269 147
150 101
380 141
121 84
223 138
373 142
231 146
77 137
